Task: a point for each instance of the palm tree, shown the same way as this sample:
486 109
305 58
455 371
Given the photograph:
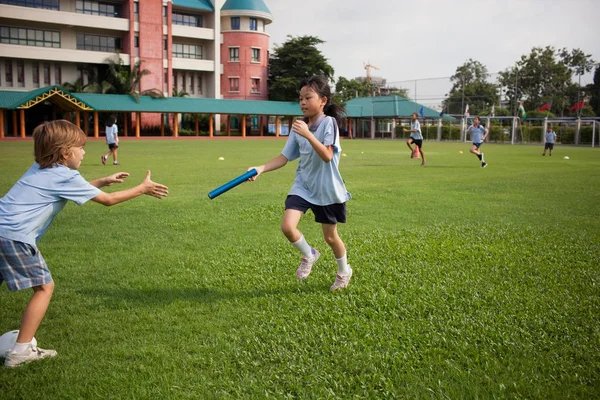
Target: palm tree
120 79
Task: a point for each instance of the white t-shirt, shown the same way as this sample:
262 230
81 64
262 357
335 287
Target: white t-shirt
39 195
111 133
316 181
416 125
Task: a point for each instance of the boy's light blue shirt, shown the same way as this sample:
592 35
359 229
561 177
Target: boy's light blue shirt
416 126
550 137
111 132
477 133
317 181
39 195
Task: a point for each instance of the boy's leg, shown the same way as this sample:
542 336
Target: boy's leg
114 155
35 311
422 155
409 143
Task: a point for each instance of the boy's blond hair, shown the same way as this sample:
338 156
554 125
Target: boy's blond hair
54 138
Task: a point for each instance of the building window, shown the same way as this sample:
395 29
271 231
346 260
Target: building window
187 19
255 55
20 73
46 74
253 24
199 85
136 8
98 43
234 54
97 8
57 74
29 37
8 73
46 4
255 88
35 74
235 23
234 84
192 87
165 11
136 41
187 51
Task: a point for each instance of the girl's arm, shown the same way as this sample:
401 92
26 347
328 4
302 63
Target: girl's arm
272 165
324 152
146 187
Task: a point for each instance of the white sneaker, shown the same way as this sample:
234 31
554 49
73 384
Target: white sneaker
341 281
13 359
305 267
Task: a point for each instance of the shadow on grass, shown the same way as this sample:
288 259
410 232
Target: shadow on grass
124 297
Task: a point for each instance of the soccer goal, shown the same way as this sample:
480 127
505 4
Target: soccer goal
574 131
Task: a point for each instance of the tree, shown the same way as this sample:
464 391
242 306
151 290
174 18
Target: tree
121 79
470 86
594 91
296 59
545 75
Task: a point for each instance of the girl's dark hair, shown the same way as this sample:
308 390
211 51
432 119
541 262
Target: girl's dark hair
110 120
319 84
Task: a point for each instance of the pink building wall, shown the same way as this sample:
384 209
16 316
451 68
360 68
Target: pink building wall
245 69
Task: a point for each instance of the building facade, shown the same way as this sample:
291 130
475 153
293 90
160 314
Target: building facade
205 48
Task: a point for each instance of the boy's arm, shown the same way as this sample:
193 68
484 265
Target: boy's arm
146 187
109 180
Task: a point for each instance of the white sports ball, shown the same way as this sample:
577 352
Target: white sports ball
566 157
221 158
8 340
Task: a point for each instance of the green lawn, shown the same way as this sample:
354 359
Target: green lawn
468 282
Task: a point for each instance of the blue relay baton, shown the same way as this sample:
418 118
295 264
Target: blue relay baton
232 183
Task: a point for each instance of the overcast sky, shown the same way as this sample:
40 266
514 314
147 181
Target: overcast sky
413 39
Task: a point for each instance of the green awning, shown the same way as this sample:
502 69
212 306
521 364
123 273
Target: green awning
388 107
204 5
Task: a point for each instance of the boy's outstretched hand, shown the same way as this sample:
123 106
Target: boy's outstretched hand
154 189
115 178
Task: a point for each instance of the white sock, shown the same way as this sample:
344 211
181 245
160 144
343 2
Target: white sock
343 267
304 247
21 347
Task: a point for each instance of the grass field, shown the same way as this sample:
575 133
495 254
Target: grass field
468 282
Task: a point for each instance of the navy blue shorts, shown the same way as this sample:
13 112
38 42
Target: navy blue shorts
477 144
113 146
330 214
549 146
417 142
22 265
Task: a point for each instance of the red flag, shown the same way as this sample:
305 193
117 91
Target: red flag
546 106
577 106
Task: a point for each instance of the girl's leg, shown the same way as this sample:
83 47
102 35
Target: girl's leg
35 311
114 155
475 150
408 143
344 272
289 225
333 240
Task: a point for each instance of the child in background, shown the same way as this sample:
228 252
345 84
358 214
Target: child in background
112 140
550 139
318 184
29 208
415 137
478 135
